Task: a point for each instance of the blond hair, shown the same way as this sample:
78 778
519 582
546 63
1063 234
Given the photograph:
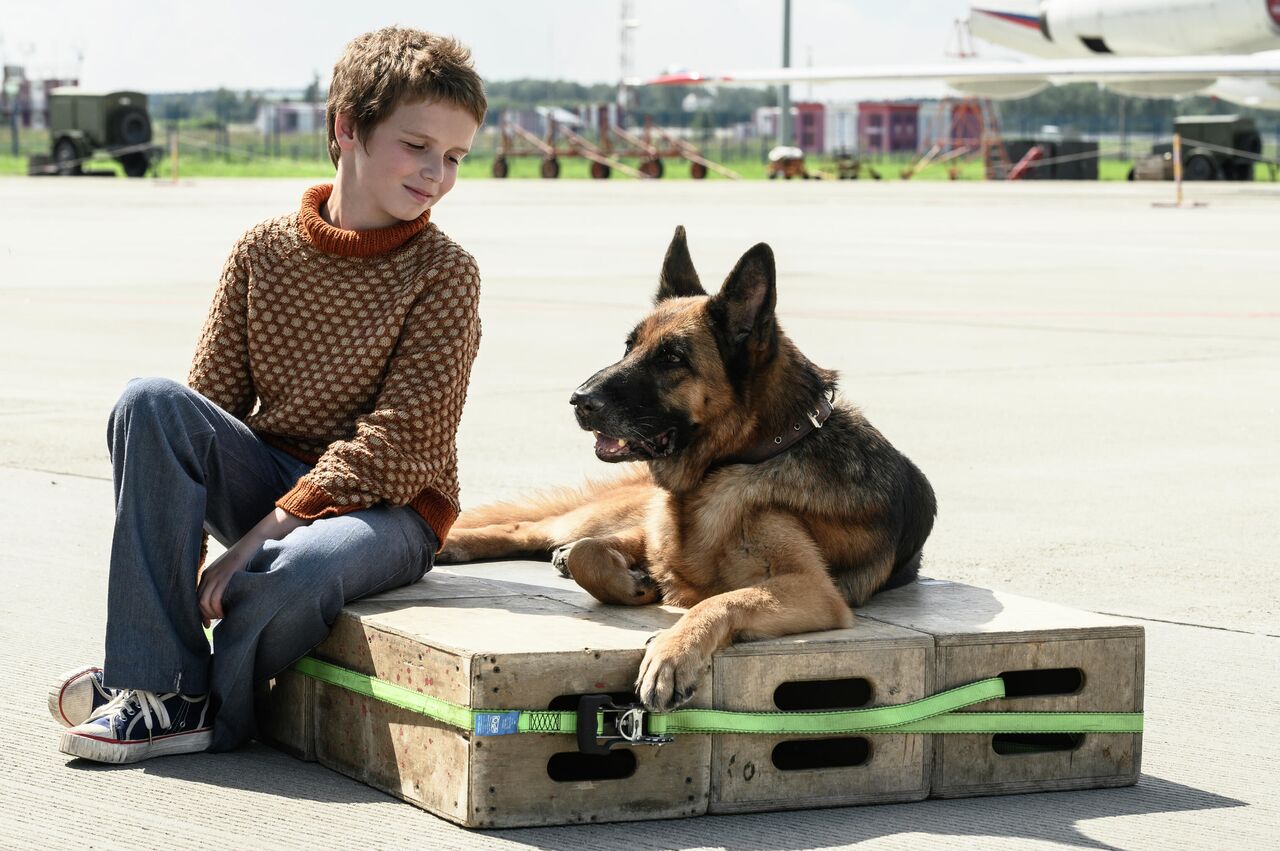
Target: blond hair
381 70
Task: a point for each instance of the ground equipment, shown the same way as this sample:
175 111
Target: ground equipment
116 123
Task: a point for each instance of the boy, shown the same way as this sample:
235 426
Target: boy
318 437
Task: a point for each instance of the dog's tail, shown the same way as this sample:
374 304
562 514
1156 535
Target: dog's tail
903 574
549 502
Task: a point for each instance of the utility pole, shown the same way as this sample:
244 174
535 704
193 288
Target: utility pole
1124 135
626 28
784 101
10 99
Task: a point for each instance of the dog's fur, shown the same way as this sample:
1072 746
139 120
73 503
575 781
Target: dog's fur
782 546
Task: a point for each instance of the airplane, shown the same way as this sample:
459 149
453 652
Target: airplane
1150 48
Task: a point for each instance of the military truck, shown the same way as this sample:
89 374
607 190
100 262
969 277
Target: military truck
116 123
1211 150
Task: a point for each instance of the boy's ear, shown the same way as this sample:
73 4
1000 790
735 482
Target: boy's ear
344 130
678 275
745 302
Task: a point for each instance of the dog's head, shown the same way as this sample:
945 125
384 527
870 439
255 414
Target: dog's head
688 365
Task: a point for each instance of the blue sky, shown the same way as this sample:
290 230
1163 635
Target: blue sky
177 46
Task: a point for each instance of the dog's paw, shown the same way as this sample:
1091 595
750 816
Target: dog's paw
605 572
560 561
670 671
452 554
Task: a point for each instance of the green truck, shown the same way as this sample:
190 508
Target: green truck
82 123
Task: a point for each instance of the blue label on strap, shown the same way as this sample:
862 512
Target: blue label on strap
497 723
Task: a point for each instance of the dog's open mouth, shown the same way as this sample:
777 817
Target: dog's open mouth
634 448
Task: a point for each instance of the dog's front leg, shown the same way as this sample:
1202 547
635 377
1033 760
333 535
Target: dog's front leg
610 568
677 657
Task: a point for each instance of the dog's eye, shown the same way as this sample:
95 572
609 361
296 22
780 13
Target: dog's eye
673 357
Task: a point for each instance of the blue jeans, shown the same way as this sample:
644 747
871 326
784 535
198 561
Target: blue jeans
181 464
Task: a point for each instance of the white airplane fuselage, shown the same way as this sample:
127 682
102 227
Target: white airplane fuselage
1074 29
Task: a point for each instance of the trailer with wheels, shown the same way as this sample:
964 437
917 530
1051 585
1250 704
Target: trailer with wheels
1214 147
83 123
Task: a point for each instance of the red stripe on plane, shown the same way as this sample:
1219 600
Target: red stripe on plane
1030 21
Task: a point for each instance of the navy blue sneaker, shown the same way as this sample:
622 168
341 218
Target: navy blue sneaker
137 725
77 695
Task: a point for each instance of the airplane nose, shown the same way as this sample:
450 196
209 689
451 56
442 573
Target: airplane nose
587 401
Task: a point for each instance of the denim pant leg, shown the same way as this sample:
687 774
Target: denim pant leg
284 603
177 460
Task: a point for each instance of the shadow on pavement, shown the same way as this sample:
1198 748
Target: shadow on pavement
256 768
1047 817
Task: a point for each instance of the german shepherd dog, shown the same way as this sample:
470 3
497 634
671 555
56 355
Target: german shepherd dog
757 504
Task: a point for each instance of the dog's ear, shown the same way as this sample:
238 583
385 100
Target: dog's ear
745 302
678 276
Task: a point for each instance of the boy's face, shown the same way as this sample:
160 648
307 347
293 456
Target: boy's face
408 163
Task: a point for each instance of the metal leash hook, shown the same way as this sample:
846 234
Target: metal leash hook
628 721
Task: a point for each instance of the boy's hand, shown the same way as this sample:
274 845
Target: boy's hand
216 577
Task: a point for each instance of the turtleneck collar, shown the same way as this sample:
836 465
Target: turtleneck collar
351 243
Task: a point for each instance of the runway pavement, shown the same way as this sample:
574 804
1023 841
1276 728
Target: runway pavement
1091 383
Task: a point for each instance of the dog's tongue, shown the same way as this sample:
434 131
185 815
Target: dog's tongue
610 445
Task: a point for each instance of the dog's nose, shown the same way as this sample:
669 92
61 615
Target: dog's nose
586 401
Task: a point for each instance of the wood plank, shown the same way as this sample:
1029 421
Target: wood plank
956 613
508 651
532 780
754 772
285 709
982 633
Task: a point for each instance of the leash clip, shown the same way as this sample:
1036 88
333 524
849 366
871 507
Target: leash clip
628 721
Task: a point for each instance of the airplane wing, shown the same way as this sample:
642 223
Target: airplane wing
1151 76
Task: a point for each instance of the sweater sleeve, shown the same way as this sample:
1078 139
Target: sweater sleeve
220 369
407 444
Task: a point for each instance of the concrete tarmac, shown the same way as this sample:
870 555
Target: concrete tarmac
1092 384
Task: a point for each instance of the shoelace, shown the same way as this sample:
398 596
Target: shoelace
107 693
146 702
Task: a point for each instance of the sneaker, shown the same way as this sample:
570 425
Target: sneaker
77 695
137 725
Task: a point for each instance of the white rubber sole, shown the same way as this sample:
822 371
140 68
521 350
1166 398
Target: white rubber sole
71 698
120 753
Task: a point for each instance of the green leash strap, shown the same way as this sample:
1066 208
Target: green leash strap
877 718
934 714
1026 722
483 723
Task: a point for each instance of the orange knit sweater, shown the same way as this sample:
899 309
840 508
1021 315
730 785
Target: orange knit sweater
349 349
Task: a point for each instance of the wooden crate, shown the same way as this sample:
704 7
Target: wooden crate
489 644
1078 661
871 664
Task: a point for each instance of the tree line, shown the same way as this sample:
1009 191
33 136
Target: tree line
1085 106
665 103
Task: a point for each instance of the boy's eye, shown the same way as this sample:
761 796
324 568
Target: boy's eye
415 147
455 160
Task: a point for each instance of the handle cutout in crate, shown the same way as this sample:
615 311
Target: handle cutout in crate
815 695
810 754
1023 744
574 767
1043 682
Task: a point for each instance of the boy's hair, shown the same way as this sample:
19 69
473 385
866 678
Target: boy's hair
381 70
